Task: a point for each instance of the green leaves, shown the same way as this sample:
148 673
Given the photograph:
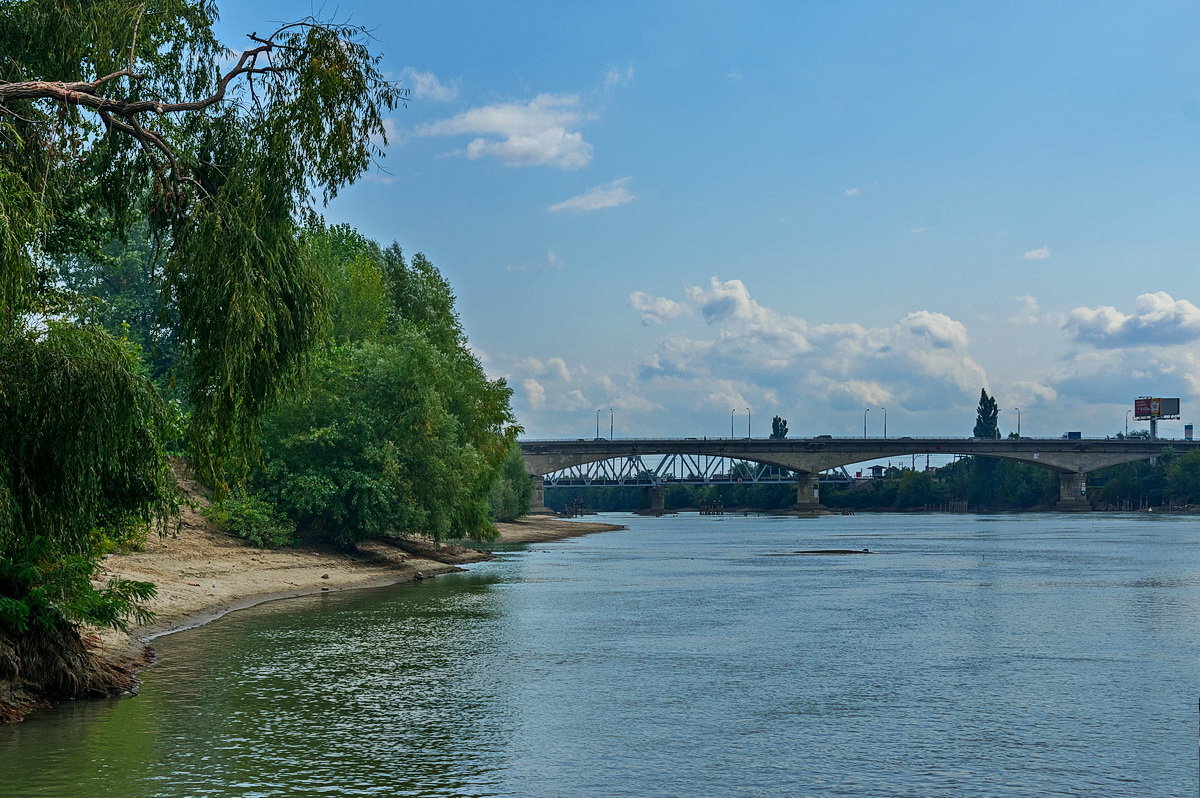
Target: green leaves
396 429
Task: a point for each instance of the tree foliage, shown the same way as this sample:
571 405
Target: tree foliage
81 457
397 430
779 428
512 491
986 417
115 114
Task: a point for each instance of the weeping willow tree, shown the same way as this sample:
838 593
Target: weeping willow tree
122 112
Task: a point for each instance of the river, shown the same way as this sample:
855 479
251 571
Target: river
1022 655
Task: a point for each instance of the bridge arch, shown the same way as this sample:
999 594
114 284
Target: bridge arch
1072 459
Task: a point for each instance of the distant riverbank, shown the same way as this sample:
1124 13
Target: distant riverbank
202 575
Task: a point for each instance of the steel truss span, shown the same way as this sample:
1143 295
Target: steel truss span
678 469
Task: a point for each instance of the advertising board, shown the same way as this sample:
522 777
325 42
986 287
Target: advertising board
1155 407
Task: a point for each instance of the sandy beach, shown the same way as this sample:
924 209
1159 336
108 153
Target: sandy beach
202 575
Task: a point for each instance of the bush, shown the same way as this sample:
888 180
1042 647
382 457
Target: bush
253 520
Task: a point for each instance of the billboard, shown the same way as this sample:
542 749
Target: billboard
1155 407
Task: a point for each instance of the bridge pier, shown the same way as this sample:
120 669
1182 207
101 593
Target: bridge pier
1072 492
658 500
808 493
537 502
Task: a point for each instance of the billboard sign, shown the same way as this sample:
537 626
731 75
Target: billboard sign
1155 407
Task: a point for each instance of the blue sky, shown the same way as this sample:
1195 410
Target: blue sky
675 209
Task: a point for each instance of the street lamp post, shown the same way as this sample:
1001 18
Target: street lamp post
747 423
731 414
884 409
611 418
1018 421
1127 412
597 425
868 410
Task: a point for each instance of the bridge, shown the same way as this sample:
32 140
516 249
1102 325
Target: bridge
1072 459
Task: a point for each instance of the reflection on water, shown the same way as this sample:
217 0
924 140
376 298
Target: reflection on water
999 655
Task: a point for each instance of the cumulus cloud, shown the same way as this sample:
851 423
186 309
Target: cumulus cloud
1158 319
656 310
552 263
851 192
919 230
1041 253
551 388
427 86
606 195
535 393
921 359
536 133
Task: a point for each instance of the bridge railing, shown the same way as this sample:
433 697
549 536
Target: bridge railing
621 439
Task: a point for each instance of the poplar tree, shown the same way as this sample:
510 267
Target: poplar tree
986 417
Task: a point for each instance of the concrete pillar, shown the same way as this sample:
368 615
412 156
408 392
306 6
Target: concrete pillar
1072 492
808 491
537 502
658 500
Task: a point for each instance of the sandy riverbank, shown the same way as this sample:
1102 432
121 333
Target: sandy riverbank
201 575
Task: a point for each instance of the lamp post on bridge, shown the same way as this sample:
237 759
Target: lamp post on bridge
611 418
1018 422
597 425
731 414
1127 412
868 410
747 423
884 409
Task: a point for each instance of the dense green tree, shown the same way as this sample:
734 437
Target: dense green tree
113 115
915 490
509 497
779 428
986 417
1183 478
396 430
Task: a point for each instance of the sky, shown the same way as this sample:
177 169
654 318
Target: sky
688 213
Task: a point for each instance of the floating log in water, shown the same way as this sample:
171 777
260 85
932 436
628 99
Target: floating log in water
834 551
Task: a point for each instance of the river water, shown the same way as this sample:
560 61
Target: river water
1030 655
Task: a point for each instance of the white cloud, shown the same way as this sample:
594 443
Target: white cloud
851 192
536 133
606 195
552 263
919 230
427 86
1041 253
920 361
618 77
1158 319
549 386
656 310
535 394
1029 312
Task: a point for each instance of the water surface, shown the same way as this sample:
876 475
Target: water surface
1028 655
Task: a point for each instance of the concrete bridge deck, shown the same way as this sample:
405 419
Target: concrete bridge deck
1073 459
